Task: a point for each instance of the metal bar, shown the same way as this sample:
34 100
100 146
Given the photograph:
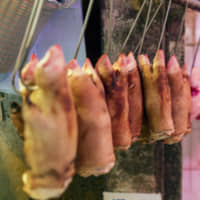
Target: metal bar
149 25
84 27
110 27
164 25
181 27
145 27
26 43
133 25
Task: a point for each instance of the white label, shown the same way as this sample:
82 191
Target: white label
131 196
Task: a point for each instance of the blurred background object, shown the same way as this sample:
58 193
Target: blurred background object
53 28
190 145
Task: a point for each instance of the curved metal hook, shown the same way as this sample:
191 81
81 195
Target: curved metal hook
181 28
164 24
26 43
146 25
133 25
84 27
149 25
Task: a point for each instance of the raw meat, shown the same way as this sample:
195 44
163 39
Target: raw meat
50 129
95 148
135 98
157 98
181 99
115 80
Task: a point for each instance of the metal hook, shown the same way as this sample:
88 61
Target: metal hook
181 28
26 43
149 25
195 54
84 27
133 25
164 24
110 28
146 25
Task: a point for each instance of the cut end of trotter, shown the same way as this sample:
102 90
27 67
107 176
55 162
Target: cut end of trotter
159 59
121 63
73 64
34 57
144 62
104 66
104 61
73 67
173 65
87 64
131 62
27 72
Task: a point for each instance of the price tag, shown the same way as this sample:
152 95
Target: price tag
131 196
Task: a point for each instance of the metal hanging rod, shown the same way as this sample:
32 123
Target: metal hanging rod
181 29
133 25
164 24
110 27
84 27
146 26
26 43
149 25
29 33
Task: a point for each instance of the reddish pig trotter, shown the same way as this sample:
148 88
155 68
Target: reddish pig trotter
115 80
135 98
157 98
50 129
189 97
95 148
88 68
181 99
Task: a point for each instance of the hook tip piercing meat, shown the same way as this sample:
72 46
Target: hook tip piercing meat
172 65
